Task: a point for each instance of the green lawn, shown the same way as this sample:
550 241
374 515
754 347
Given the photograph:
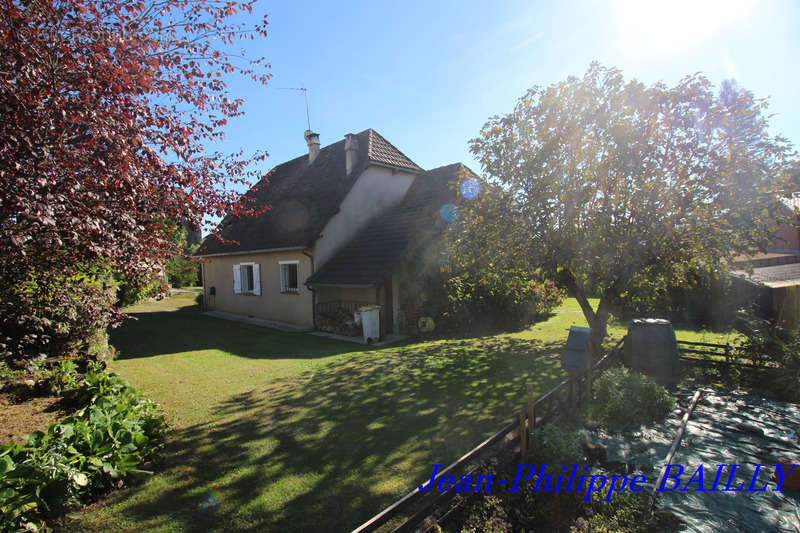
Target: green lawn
287 432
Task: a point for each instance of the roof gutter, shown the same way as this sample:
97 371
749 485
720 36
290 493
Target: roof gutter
346 285
313 292
395 167
245 252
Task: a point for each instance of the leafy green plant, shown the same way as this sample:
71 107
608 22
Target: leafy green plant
88 452
558 446
624 396
499 298
767 344
63 376
626 511
7 373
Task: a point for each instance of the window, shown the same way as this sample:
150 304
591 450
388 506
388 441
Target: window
246 279
289 277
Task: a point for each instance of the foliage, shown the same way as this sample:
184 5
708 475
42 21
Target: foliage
180 269
627 512
132 291
622 396
499 298
696 296
85 454
600 179
108 110
62 377
558 445
61 314
488 517
766 343
7 373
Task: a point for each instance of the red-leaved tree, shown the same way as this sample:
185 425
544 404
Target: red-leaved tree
107 110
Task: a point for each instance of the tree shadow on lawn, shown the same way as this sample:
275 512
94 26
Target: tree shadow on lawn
166 332
326 451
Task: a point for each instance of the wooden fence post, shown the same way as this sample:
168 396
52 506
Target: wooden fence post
531 417
523 444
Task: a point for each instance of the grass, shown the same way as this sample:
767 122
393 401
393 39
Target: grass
279 431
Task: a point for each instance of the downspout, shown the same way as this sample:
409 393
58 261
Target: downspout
313 293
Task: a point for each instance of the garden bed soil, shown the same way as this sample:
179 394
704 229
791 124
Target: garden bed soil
23 417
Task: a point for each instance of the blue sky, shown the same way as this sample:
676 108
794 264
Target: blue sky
427 75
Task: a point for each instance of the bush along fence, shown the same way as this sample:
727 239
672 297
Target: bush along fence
536 413
113 435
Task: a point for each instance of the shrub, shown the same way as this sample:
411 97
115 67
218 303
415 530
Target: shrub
766 343
58 313
85 454
7 373
559 446
131 291
499 298
63 376
626 512
624 396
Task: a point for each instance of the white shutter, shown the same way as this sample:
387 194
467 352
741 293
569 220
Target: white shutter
256 279
237 279
283 278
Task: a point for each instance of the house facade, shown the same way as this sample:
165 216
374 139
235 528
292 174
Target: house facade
340 224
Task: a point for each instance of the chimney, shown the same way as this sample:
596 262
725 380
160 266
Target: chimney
350 151
312 140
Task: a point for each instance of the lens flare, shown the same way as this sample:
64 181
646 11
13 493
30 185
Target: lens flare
470 188
448 212
209 503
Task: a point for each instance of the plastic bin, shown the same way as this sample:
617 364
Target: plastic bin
651 348
371 323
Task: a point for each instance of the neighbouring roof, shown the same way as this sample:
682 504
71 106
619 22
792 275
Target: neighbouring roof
302 198
773 276
792 203
387 238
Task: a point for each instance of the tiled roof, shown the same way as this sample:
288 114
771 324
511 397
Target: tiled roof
302 197
774 276
382 151
388 238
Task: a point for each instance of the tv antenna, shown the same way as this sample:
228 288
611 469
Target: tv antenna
305 94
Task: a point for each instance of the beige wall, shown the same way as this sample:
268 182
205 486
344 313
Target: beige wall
376 190
270 304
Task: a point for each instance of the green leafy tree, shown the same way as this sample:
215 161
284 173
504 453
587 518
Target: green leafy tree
602 179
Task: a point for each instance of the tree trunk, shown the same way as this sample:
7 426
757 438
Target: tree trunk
597 320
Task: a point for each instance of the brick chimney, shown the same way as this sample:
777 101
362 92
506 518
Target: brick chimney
312 140
350 151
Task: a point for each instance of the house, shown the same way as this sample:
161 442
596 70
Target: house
345 227
772 279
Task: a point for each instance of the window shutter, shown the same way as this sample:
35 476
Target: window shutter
257 279
283 278
237 279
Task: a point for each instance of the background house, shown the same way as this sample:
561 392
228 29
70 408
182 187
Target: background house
772 279
341 224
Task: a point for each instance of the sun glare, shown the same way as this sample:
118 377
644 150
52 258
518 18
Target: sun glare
647 27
